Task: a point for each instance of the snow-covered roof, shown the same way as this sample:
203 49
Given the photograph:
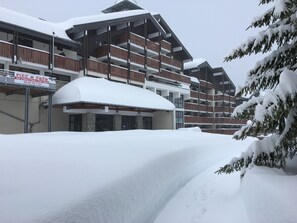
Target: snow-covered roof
118 1
101 17
193 64
195 80
32 23
59 29
102 91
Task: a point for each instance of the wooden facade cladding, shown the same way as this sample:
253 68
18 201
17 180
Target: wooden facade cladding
116 71
194 107
137 40
166 45
171 61
6 49
205 84
174 76
33 56
65 63
137 58
223 109
209 120
98 67
153 63
224 98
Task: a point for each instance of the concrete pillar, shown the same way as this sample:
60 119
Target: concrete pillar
139 122
117 122
88 122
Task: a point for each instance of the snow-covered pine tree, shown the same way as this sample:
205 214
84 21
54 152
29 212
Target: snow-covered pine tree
274 111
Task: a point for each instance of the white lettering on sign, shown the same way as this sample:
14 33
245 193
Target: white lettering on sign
31 79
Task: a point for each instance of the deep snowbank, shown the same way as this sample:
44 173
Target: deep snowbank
100 177
270 195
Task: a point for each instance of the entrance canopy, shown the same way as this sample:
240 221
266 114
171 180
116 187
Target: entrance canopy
88 92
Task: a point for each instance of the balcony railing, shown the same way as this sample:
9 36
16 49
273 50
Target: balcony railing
211 120
36 56
170 61
137 76
153 63
194 107
137 40
174 76
65 63
98 67
33 56
224 98
5 49
166 45
223 109
205 84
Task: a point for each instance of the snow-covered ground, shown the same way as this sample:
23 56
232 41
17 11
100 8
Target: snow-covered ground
136 177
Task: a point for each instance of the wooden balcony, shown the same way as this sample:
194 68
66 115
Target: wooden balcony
153 63
118 72
137 76
205 84
153 46
35 56
65 63
31 55
98 67
5 49
139 41
174 76
224 98
215 121
194 94
193 107
206 108
223 109
166 45
171 62
229 121
137 58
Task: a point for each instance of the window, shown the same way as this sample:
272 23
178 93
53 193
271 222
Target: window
104 123
159 92
147 122
179 102
179 115
75 123
25 42
170 97
128 122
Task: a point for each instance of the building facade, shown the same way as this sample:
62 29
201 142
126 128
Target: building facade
212 99
127 46
124 44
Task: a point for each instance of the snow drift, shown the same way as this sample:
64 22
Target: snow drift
109 177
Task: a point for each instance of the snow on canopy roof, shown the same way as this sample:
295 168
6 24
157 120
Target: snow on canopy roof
102 91
32 23
193 64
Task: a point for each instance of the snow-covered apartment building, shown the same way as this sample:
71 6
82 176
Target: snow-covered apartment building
121 69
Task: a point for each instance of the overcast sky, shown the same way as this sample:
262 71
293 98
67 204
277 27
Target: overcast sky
209 29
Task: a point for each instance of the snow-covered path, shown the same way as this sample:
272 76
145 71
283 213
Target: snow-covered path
207 199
